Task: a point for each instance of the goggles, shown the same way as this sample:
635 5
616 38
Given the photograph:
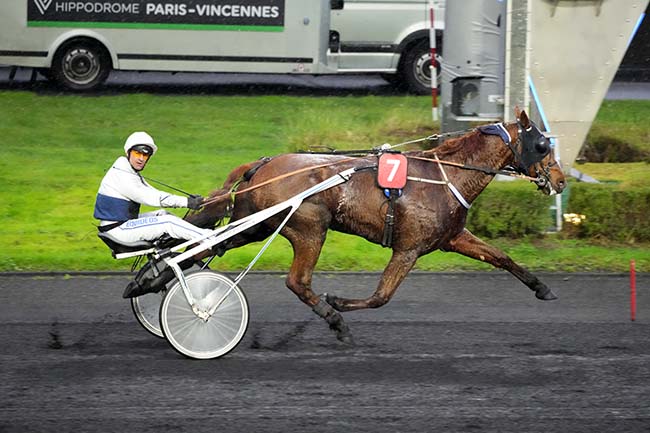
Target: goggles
139 154
142 151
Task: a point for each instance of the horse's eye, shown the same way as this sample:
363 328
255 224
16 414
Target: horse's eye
542 146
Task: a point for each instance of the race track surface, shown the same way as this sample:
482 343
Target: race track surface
450 353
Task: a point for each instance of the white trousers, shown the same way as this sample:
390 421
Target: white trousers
152 225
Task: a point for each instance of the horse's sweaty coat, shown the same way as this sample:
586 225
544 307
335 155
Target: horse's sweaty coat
427 216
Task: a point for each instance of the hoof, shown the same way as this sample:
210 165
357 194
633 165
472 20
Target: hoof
334 320
330 299
345 338
545 294
343 333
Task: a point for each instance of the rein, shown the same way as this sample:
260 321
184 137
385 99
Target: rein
476 168
167 186
379 149
232 193
433 138
141 176
384 147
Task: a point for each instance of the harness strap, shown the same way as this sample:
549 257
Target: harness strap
496 129
446 182
389 220
232 193
451 187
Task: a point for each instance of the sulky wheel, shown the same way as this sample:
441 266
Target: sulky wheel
146 309
204 337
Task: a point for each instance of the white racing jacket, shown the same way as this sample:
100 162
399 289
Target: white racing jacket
123 190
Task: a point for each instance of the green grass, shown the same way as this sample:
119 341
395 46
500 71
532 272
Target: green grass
619 133
626 121
627 174
54 150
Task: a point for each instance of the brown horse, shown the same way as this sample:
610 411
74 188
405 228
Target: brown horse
427 216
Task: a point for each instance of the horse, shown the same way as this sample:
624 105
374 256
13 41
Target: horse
427 216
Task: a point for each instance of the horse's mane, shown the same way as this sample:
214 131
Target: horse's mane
461 147
464 148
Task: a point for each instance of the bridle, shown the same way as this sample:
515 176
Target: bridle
529 150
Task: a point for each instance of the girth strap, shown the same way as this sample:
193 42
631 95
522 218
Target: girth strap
389 220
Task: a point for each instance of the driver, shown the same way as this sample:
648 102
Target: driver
123 190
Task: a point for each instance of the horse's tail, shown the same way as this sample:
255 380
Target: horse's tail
218 204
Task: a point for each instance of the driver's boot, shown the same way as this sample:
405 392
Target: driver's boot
153 277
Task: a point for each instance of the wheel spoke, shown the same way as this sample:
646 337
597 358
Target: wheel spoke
200 339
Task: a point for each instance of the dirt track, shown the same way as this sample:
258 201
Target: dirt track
452 353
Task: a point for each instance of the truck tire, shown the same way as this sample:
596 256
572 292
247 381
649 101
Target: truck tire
415 70
81 64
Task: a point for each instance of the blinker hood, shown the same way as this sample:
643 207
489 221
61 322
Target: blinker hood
534 145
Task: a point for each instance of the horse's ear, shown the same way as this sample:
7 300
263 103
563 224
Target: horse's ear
523 118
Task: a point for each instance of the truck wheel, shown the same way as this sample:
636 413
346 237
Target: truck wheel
81 65
415 68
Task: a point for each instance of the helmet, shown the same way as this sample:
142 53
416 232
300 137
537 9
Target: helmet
140 138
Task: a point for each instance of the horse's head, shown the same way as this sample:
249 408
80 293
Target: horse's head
534 156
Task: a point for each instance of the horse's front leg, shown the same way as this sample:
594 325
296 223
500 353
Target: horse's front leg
306 250
469 245
399 265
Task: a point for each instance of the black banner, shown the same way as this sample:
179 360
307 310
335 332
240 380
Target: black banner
175 13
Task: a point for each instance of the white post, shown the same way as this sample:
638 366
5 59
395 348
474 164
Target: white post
433 69
558 197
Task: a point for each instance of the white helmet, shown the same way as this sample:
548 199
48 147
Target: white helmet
140 138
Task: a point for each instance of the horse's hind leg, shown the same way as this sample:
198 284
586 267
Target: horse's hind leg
306 251
469 245
398 267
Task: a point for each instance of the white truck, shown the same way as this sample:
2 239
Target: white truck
390 38
78 42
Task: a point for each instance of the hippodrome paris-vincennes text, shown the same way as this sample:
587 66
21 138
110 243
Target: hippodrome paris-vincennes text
169 9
